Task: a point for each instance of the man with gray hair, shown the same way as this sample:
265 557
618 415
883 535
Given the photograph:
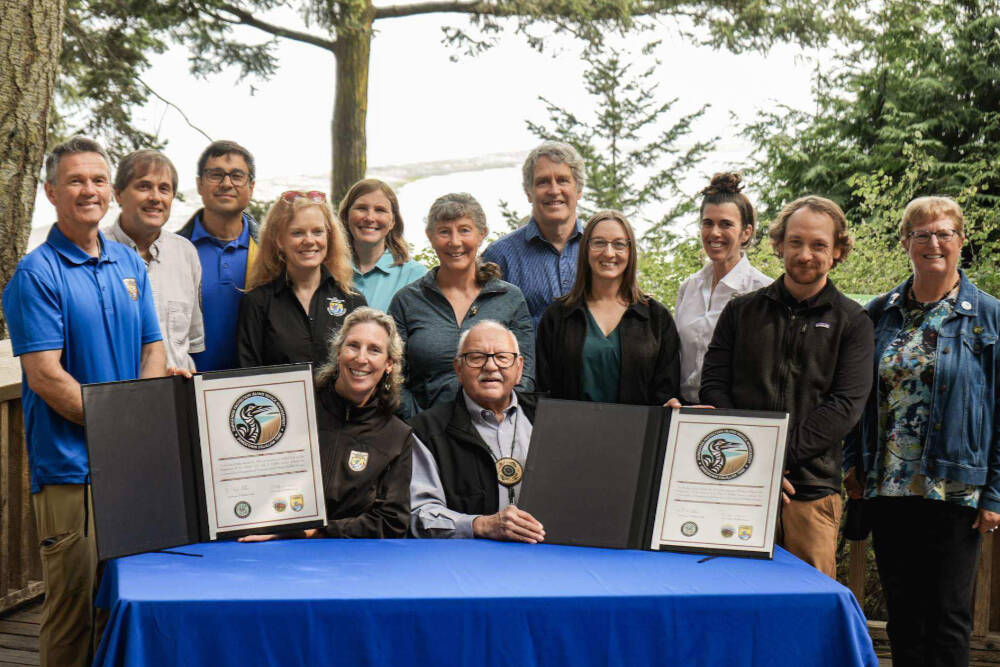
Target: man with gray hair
145 185
80 310
540 257
468 454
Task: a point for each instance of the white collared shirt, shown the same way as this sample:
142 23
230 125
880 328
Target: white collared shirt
698 310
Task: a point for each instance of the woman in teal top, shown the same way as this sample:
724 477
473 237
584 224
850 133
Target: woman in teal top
606 340
382 264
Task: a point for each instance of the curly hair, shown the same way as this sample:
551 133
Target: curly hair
842 240
726 188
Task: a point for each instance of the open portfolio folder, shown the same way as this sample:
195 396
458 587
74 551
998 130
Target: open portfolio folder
175 461
624 476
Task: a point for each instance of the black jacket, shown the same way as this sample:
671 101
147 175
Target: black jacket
812 361
465 464
373 501
650 353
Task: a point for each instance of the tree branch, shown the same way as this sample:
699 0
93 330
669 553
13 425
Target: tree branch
249 19
500 9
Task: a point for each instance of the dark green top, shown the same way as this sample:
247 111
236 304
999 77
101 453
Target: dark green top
602 363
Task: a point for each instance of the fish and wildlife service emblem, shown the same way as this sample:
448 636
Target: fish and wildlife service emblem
724 454
335 306
358 461
257 420
132 287
744 532
296 502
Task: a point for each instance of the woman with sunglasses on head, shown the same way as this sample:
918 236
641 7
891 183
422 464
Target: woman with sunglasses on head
607 341
925 455
432 312
300 285
382 265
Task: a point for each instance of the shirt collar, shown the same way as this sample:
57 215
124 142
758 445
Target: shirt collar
477 411
199 232
116 233
735 278
74 253
532 231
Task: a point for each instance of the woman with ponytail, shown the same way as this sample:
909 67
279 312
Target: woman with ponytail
432 312
727 225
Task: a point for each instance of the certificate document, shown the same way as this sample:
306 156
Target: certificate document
720 490
259 451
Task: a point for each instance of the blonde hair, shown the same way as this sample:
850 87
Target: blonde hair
923 210
270 263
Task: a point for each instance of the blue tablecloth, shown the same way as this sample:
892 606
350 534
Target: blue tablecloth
472 602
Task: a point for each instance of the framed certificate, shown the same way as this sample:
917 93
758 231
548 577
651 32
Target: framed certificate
720 489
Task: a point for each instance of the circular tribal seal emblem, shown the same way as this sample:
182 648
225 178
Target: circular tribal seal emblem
689 528
257 420
242 509
724 454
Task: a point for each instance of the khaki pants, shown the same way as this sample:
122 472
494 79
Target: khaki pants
69 566
808 529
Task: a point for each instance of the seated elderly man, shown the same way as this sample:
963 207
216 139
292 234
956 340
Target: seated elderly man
468 453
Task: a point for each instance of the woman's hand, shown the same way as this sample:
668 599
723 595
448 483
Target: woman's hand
986 522
675 403
291 535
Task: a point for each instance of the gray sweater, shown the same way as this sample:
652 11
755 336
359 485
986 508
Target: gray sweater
427 325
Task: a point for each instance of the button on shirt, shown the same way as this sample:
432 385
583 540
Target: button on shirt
382 282
174 272
698 310
223 275
431 516
529 261
99 311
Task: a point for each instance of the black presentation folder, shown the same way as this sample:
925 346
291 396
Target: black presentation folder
145 463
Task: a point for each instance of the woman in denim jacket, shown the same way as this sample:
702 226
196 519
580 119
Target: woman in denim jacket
925 454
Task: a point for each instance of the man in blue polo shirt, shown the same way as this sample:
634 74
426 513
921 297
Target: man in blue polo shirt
540 257
80 309
226 239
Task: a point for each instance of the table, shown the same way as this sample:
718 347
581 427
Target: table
472 602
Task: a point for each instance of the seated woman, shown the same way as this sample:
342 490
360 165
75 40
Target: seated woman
432 312
925 453
382 265
728 222
365 451
606 340
299 288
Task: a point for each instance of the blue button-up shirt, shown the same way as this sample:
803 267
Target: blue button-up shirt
529 261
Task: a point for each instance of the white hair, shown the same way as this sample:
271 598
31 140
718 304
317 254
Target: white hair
486 324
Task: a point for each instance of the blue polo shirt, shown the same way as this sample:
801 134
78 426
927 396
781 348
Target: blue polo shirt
529 261
382 282
223 275
99 311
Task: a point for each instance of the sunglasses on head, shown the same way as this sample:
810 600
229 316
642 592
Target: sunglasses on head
313 195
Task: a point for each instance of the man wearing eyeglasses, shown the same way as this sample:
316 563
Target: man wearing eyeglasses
469 453
226 239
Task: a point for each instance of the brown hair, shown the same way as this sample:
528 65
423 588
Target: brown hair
923 210
139 163
841 238
629 290
458 205
270 263
725 188
394 239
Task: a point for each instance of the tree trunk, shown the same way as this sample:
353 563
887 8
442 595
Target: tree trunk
350 105
30 41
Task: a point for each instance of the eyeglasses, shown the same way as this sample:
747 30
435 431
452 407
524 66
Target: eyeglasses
600 244
943 236
313 195
237 177
478 359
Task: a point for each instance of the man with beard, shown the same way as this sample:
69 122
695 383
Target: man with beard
468 453
799 346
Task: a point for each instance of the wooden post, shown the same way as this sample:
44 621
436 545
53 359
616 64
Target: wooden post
981 606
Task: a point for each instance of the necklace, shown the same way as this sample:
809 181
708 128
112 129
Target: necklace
509 469
913 297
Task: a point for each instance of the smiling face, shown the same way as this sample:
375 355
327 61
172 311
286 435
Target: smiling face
808 250
370 218
224 198
362 362
723 233
81 193
554 193
456 243
608 263
489 386
304 241
146 201
934 258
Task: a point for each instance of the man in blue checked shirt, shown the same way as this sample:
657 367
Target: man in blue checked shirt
540 257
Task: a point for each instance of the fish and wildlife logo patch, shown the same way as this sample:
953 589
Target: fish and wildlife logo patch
358 461
132 287
335 306
724 454
257 420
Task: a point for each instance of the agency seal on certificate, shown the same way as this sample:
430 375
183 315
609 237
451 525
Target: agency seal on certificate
721 483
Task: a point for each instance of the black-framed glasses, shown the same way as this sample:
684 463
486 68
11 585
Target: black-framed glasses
237 177
618 245
923 237
478 359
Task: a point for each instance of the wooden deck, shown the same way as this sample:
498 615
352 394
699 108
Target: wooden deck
19 635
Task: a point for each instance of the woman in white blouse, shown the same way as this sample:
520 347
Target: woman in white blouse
728 222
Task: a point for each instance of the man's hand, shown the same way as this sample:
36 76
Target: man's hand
675 403
173 370
853 486
787 490
290 535
986 521
509 524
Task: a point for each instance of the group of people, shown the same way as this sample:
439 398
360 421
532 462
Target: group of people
435 375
